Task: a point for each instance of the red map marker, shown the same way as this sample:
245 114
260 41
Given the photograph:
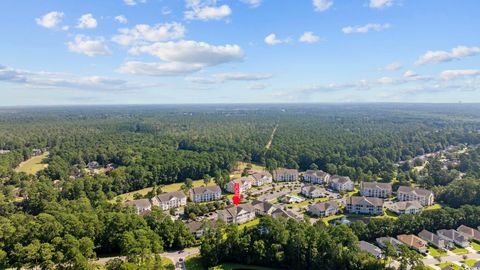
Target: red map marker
236 196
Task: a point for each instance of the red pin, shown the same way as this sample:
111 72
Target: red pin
236 196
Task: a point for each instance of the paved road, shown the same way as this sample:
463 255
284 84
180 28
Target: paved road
451 257
175 256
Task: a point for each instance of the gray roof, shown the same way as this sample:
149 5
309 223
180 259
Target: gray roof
452 234
470 232
365 200
263 206
381 241
311 188
316 173
370 248
417 191
323 206
165 197
376 185
201 190
243 180
140 203
260 175
234 210
285 171
407 204
430 237
340 179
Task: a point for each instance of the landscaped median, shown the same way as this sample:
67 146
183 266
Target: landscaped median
454 266
194 263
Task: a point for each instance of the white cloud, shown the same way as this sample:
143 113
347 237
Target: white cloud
380 3
252 3
63 80
146 33
181 57
121 19
273 40
158 69
88 46
393 66
410 74
230 76
166 11
87 21
309 37
50 20
435 57
206 10
133 2
365 28
458 73
322 5
257 86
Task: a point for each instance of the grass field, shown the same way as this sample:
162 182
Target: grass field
194 263
459 251
454 266
166 188
249 224
436 252
475 246
327 219
33 165
433 207
469 262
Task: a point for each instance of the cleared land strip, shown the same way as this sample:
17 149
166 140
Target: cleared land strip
269 143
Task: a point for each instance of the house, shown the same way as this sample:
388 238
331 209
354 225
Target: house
288 198
414 242
285 175
36 152
311 191
455 237
435 240
264 208
324 209
205 194
341 183
316 177
375 189
470 233
142 206
409 207
365 205
261 178
381 241
198 228
92 165
371 249
240 214
425 197
244 183
170 200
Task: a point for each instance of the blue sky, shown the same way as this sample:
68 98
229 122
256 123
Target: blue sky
238 51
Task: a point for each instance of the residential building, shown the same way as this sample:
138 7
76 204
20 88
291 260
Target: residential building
470 233
288 198
244 184
261 178
324 209
142 206
341 183
414 242
36 152
170 200
395 243
371 249
285 175
264 208
198 228
205 194
365 205
409 207
425 197
92 165
316 177
237 214
455 237
311 191
375 189
435 240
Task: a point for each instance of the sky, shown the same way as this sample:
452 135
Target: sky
58 52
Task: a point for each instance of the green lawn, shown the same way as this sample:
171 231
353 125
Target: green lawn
459 251
327 219
33 165
436 252
469 262
353 193
167 264
433 207
454 266
249 224
166 188
475 246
